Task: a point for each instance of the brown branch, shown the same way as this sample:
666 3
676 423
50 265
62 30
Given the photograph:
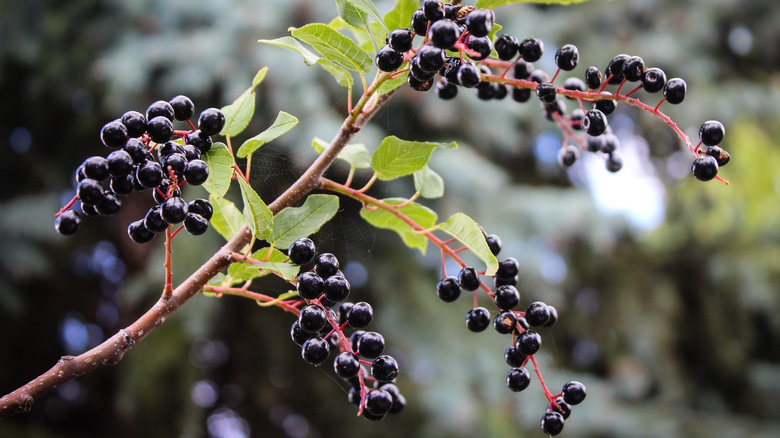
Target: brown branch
113 349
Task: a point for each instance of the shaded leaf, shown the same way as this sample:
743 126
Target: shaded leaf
220 163
356 12
258 217
401 15
428 183
292 223
422 215
395 157
227 220
356 154
283 123
238 114
292 44
274 262
469 234
342 75
334 46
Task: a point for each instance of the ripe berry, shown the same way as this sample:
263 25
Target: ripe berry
433 9
173 210
574 84
593 77
468 75
346 365
477 319
401 40
720 155
388 59
200 140
446 90
507 46
610 143
119 163
606 106
704 167
195 224
518 378
653 80
443 34
160 108
553 318
522 69
521 94
138 232
539 76
501 91
614 70
183 108
160 193
566 57
310 285
202 207
595 122
370 345
552 423
378 402
531 49
298 335
633 68
513 357
506 297
384 368
431 59
211 121
487 90
508 268
315 351
360 315
399 401
114 134
89 191
95 168
419 23
160 129
562 407
302 251
505 322
418 85
67 223
468 278
448 290
354 338
153 221
109 205
326 265
481 45
479 22
574 392
196 172
494 243
556 107
546 92
711 133
529 342
312 318
135 123
418 72
674 91
614 162
175 162
191 152
336 288
122 185
568 155
537 314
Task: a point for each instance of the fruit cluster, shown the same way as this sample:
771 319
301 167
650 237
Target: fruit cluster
146 155
320 328
457 47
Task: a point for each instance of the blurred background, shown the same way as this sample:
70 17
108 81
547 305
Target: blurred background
666 287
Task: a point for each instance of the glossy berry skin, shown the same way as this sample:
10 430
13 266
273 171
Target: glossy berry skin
537 314
388 59
595 122
160 108
346 365
443 34
196 172
614 162
521 94
445 90
479 22
606 106
200 140
711 133
477 319
506 47
378 402
169 148
310 285
419 23
302 251
173 210
633 68
418 85
468 75
481 45
138 232
114 134
494 243
195 224
119 163
384 368
593 77
431 59
183 108
370 345
574 392
506 297
326 265
553 317
517 379
433 9
566 57
522 69
360 315
202 207
160 193
312 318
653 80
122 185
513 357
574 84
508 268
529 342
315 351
721 156
704 167
399 401
614 70
401 40
89 191
504 322
531 49
336 288
160 129
67 223
154 222
562 407
418 72
191 152
109 205
135 123
468 279
568 155
136 149
674 91
298 335
211 121
448 289
96 168
546 92
552 423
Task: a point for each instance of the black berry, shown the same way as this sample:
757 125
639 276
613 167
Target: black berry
468 278
378 402
568 155
479 22
537 314
561 407
119 163
704 167
468 75
653 80
138 232
546 92
160 108
606 106
200 140
481 45
443 34
552 423
211 121
196 172
312 318
566 57
109 205
384 368
593 77
518 378
89 191
388 59
346 365
326 265
614 162
160 129
153 221
448 290
721 156
514 358
67 223
401 40
310 285
477 319
674 91
531 49
507 46
315 351
173 210
494 243
574 392
302 251
633 68
135 123
122 185
137 149
711 133
508 268
183 108
594 122
200 206
195 224
360 315
506 297
419 22
114 134
505 322
446 90
529 342
336 288
370 345
614 70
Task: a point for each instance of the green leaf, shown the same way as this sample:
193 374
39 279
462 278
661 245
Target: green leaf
497 3
422 215
401 14
469 234
283 123
396 157
239 113
342 75
428 183
355 12
274 262
292 44
220 163
292 223
217 280
391 84
259 77
366 34
227 220
334 46
356 154
258 217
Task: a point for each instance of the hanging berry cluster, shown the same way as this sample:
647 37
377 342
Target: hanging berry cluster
146 156
457 46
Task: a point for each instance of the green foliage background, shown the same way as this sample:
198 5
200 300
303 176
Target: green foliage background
683 319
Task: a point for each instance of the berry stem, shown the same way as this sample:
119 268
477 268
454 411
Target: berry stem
547 392
168 289
67 206
262 300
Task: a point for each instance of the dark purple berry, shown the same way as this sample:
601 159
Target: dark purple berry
138 232
593 77
468 75
505 322
302 251
517 379
384 368
506 47
481 45
196 172
109 205
433 10
160 129
446 90
448 289
546 92
388 59
610 143
67 223
360 315
566 57
514 358
89 191
614 162
173 210
479 22
561 407
574 392
160 193
553 317
633 68
531 49
119 163
202 207
326 265
153 221
399 401
336 288
191 152
135 123
477 319
494 243
401 40
114 134
418 72
568 155
443 34
574 84
711 133
539 76
346 365
431 59
160 108
653 80
552 423
537 314
195 224
721 156
312 318
674 91
606 106
370 345
137 149
200 140
298 335
378 402
183 108
468 278
506 297
522 69
508 268
614 70
310 285
419 23
595 122
211 121
315 351
704 167
529 342
122 185
521 94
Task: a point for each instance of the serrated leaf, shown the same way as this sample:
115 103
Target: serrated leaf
401 15
428 183
395 157
274 262
391 84
292 223
227 220
366 35
355 12
497 3
422 215
258 217
341 74
259 77
291 43
283 123
220 162
239 113
469 234
356 154
334 46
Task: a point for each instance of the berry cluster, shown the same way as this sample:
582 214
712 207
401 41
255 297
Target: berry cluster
457 47
146 155
522 325
320 328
